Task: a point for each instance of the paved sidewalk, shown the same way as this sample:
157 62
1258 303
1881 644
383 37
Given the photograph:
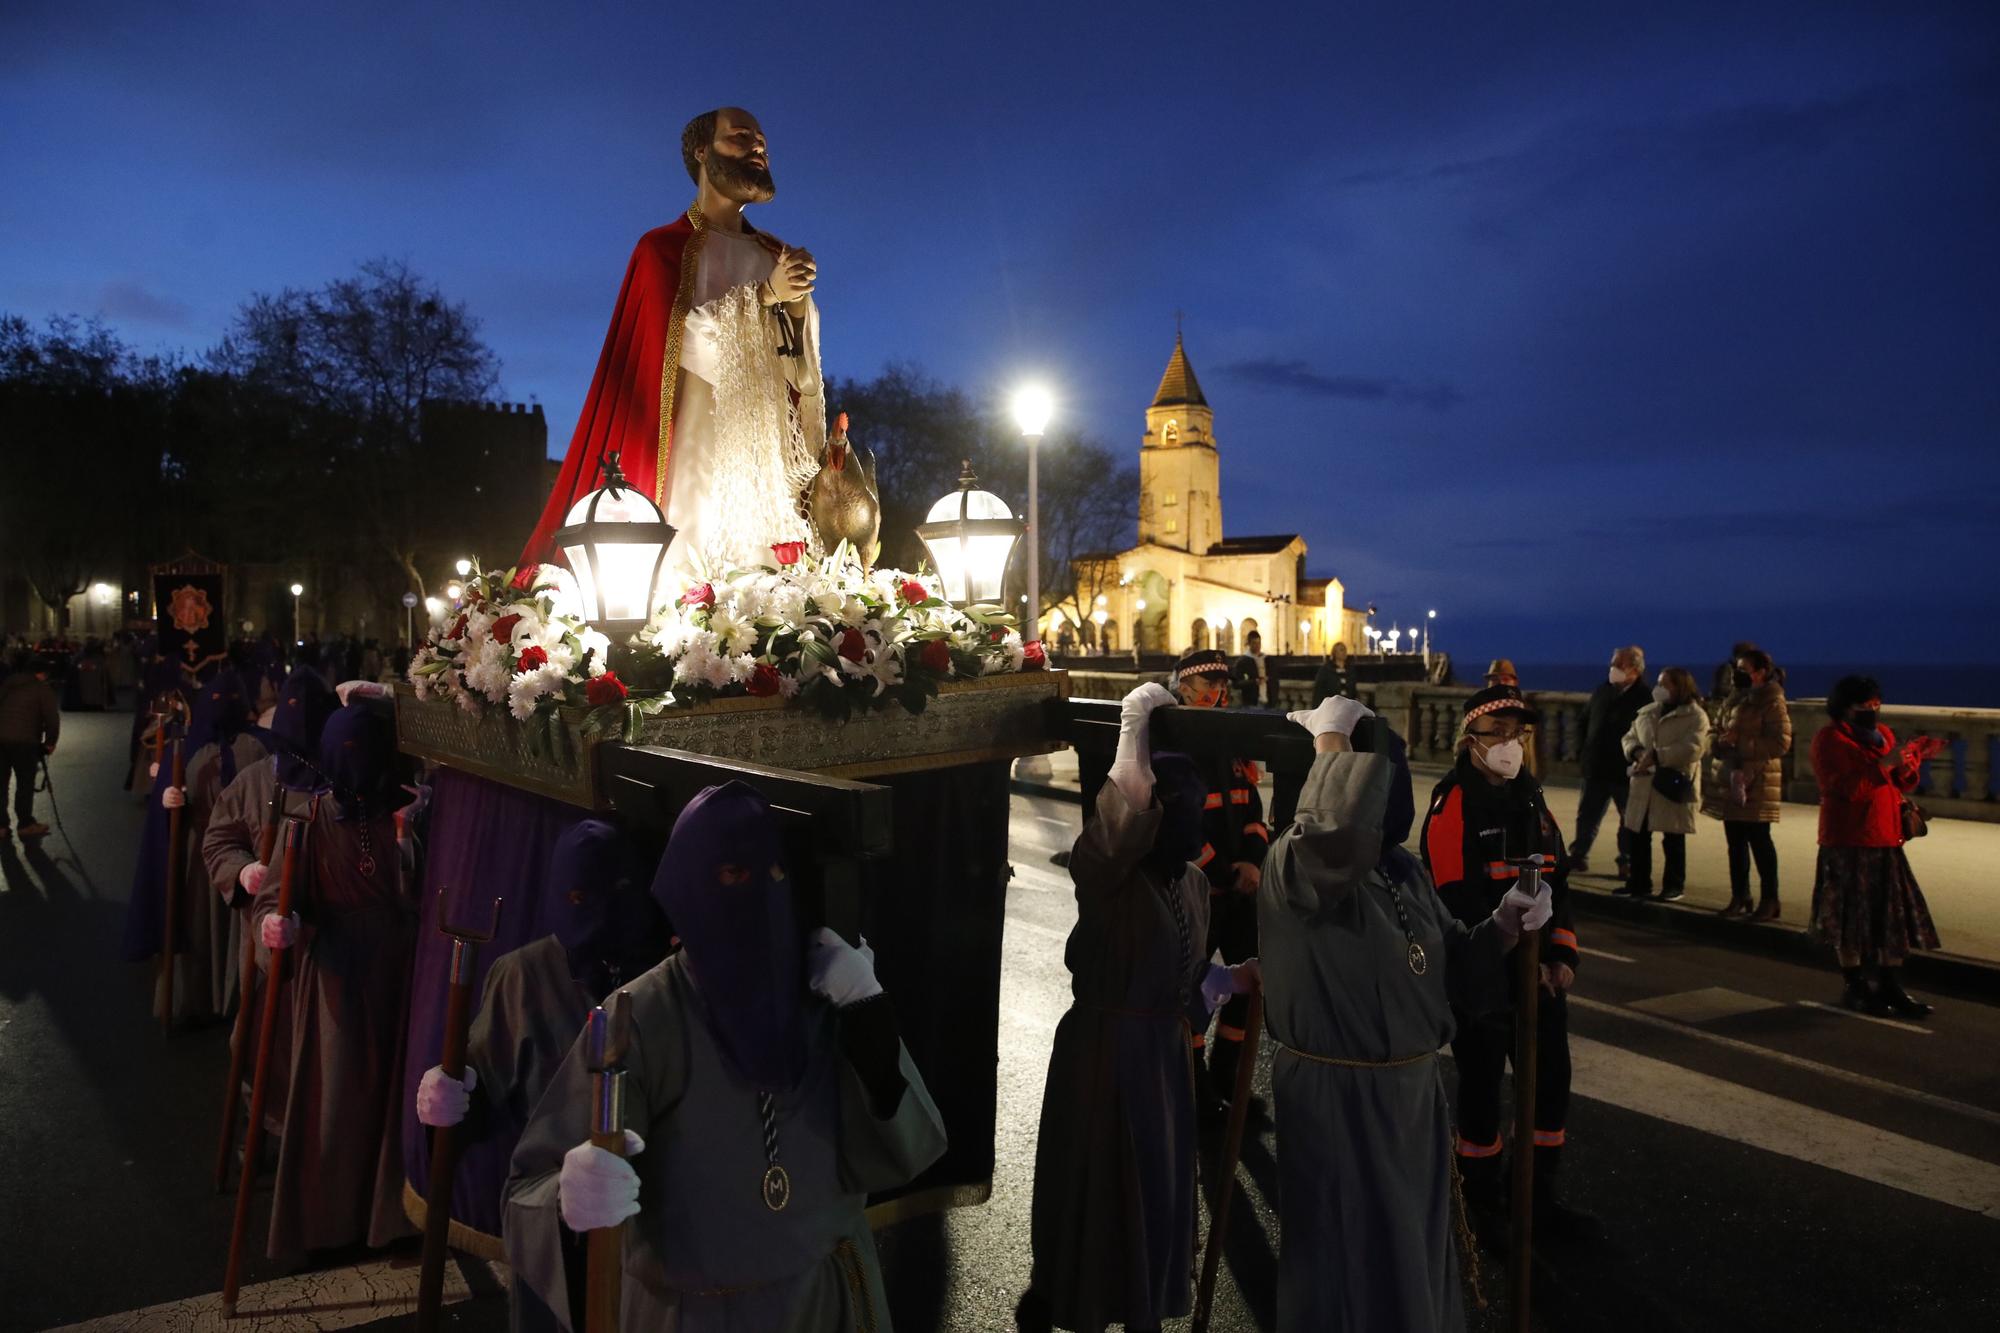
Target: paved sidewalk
1958 864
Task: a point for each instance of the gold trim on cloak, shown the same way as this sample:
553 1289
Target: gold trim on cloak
670 360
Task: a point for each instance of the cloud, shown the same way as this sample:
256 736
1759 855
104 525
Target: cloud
124 298
1298 377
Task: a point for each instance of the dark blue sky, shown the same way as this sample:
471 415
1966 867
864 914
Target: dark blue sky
1580 323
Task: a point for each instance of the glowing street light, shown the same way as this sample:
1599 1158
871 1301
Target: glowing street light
969 534
297 589
1032 409
454 591
464 568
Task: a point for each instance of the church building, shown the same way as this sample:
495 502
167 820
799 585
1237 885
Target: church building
1187 584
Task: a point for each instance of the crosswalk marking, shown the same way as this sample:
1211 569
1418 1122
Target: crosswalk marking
1668 1092
1606 954
1706 1004
1786 1058
1866 1018
303 1303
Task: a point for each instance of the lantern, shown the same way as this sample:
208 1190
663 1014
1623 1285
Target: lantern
970 534
616 540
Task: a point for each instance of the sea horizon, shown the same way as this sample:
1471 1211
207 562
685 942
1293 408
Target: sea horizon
1907 684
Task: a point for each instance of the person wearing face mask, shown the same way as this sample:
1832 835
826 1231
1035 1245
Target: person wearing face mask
1485 813
1113 1218
1235 840
352 932
1663 747
768 1093
1600 755
1365 968
1743 784
604 930
1866 902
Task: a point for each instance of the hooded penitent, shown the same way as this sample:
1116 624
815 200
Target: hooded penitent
357 756
1181 792
221 714
303 707
597 908
723 884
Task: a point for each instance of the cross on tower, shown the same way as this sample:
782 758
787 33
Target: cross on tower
1178 316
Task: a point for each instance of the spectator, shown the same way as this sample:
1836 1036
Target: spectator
1664 745
1725 673
1744 785
1600 752
1866 903
29 723
1500 671
1332 679
1249 675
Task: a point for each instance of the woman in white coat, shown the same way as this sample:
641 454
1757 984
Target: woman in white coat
1664 748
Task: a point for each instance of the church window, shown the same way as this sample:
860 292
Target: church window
1170 433
1173 525
1170 499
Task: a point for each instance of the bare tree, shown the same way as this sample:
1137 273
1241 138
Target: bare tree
359 357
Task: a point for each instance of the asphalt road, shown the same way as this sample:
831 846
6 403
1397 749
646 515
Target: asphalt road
1757 1159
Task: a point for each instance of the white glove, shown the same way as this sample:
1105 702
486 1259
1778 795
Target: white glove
1336 713
598 1189
839 971
1519 913
442 1099
279 932
173 798
1222 982
252 877
1132 767
350 690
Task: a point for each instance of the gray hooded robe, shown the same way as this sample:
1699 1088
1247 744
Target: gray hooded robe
1364 1154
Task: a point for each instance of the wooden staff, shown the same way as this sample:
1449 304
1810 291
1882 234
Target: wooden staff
604 1040
1527 996
260 1086
465 942
176 871
1232 1153
246 974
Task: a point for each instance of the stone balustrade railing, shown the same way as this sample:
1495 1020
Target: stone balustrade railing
1963 782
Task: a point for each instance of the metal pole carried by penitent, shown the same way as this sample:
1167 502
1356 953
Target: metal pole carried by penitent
465 942
260 1086
1527 996
1232 1153
246 975
605 1035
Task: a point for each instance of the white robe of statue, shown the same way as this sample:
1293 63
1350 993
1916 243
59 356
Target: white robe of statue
741 451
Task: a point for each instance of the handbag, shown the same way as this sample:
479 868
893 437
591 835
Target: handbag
1916 822
1673 784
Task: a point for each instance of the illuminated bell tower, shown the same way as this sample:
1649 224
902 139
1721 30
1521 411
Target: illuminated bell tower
1180 500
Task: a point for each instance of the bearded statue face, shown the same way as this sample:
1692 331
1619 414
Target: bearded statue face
738 163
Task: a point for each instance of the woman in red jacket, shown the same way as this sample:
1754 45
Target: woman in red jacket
1866 903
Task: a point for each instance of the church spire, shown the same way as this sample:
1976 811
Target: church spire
1178 387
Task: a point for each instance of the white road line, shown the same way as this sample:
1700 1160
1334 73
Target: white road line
1059 823
1784 1058
1604 953
302 1303
1728 1110
1865 1018
1041 880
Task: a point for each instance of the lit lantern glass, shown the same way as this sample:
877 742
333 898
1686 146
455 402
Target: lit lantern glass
616 542
970 535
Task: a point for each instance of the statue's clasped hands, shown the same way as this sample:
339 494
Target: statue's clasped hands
792 278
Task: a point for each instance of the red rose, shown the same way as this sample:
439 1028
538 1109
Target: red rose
701 595
524 577
533 658
1032 656
503 628
604 689
996 636
788 553
457 627
853 644
914 592
936 656
763 682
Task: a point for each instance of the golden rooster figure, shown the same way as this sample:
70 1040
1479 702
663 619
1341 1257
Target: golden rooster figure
841 500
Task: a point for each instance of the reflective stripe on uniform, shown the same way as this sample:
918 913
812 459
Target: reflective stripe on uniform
1258 830
1239 796
1212 801
1566 938
1207 854
1466 1148
1549 1138
1228 1033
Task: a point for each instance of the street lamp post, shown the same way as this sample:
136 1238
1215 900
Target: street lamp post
1429 616
1032 409
464 568
297 638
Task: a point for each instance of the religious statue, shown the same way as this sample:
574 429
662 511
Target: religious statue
708 388
842 502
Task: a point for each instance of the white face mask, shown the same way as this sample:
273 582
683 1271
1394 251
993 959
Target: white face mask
1619 676
1502 760
1663 696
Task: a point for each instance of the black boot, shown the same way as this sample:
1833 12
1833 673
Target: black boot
1897 999
1860 996
1553 1217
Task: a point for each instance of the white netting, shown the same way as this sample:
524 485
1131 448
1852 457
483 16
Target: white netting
765 452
